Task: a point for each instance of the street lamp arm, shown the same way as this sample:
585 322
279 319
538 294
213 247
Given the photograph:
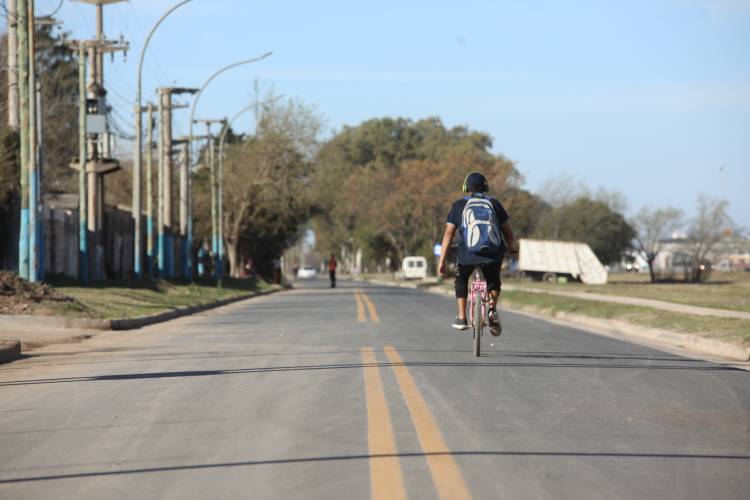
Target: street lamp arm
148 40
213 77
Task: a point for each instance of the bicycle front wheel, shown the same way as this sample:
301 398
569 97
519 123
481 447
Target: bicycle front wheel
477 320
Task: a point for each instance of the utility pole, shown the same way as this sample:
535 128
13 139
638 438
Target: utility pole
23 97
166 153
40 236
211 158
83 252
184 250
100 163
220 208
33 165
12 65
160 191
149 194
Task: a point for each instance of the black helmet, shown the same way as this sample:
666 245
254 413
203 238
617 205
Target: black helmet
476 183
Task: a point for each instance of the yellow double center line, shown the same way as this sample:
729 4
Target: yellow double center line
362 300
386 479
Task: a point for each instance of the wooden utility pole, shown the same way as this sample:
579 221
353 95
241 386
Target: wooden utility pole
12 65
23 97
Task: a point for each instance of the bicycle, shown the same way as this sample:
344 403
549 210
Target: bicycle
476 308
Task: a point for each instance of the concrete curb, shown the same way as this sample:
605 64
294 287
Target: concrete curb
10 350
20 322
618 329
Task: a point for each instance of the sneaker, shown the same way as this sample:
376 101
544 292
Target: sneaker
496 328
460 324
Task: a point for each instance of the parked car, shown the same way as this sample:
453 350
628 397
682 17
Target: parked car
306 273
414 267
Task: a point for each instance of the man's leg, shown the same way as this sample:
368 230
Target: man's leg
461 284
492 277
461 307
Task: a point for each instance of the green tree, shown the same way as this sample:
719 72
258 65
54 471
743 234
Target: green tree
385 186
57 72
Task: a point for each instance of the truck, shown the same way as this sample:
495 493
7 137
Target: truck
548 260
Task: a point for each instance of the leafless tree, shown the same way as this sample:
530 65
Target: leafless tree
710 225
652 226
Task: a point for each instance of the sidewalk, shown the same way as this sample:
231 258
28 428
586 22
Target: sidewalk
634 301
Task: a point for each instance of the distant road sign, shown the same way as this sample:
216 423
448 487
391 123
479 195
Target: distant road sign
437 249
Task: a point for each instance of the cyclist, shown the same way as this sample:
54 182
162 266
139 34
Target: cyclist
488 257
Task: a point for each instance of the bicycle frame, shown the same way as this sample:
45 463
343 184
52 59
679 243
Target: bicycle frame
479 295
478 291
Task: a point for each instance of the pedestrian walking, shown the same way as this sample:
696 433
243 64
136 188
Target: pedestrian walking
332 264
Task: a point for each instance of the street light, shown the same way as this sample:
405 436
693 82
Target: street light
137 157
187 254
220 183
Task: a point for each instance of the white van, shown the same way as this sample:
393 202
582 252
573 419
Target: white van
414 267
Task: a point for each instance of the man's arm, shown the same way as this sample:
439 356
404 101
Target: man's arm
450 230
510 238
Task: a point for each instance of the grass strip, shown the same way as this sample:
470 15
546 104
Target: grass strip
733 330
117 301
724 290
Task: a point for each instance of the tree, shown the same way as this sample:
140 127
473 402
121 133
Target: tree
385 186
709 226
651 227
266 199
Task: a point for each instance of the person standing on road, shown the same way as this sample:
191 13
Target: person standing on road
480 219
332 265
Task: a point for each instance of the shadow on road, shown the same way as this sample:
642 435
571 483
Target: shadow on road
344 366
284 461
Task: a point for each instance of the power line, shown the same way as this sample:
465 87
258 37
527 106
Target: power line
151 62
138 23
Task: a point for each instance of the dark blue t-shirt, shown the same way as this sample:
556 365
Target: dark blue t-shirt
463 256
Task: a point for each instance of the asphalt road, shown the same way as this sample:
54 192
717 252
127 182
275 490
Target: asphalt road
340 394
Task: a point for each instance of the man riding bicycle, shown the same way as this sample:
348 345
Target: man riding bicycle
481 219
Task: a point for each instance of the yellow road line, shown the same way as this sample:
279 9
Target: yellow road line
446 475
360 306
386 479
371 307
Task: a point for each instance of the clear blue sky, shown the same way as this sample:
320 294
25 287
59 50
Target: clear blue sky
650 98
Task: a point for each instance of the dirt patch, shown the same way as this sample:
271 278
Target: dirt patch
18 296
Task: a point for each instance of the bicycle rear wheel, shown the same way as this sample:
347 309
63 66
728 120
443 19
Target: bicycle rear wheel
477 324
